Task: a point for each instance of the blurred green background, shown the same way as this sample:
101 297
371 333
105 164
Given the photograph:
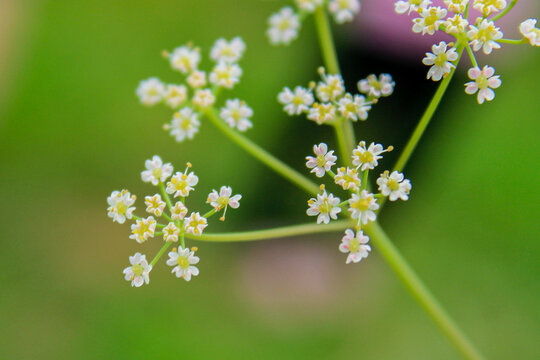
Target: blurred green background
72 130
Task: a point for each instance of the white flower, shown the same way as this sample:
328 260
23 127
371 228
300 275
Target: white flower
394 185
143 229
355 245
347 178
139 270
184 124
195 224
197 79
456 24
156 171
322 113
183 262
179 211
483 36
228 52
170 232
343 10
401 7
308 5
368 158
297 102
181 184
236 113
529 30
363 207
120 206
456 6
331 88
430 20
150 91
223 199
225 75
203 98
154 205
377 87
487 7
484 82
323 160
325 206
185 59
283 26
353 108
440 61
175 95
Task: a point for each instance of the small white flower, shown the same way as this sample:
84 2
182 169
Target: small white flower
181 184
325 207
170 232
368 158
138 272
484 82
456 24
175 95
483 36
150 91
456 6
185 59
353 108
529 31
322 113
236 113
184 124
323 160
156 171
401 7
183 262
487 7
225 75
154 205
143 229
430 20
283 26
228 52
440 61
120 207
308 5
394 185
203 98
197 79
296 102
363 207
347 178
331 88
377 87
223 199
179 211
195 224
355 245
344 10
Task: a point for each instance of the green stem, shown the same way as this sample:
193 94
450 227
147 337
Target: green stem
505 11
165 195
160 253
343 144
514 42
471 55
262 155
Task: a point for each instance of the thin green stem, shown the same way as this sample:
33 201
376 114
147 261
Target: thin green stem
471 55
505 11
344 150
421 292
165 195
160 253
326 41
210 213
514 42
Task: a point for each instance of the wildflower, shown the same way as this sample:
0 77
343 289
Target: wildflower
456 24
228 52
487 7
150 91
529 31
355 245
143 229
484 82
456 6
430 20
347 178
139 270
156 171
120 206
323 160
170 232
363 207
183 262
195 224
154 205
203 98
236 113
284 26
331 88
185 59
322 113
179 211
483 36
377 87
197 79
223 199
225 75
175 95
353 108
184 124
308 5
325 207
295 102
181 184
440 60
367 158
401 7
343 10
394 185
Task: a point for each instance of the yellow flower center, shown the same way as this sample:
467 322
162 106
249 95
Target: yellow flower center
393 184
362 204
482 82
121 208
223 201
354 245
441 59
183 262
137 269
321 160
324 207
284 25
366 157
157 172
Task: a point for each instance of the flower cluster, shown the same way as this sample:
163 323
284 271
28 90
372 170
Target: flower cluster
284 25
198 92
362 204
327 101
482 33
170 204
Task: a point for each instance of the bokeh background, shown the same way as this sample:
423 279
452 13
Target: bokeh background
72 130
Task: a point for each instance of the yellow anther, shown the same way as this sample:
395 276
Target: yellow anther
188 164
222 218
194 248
390 148
321 187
